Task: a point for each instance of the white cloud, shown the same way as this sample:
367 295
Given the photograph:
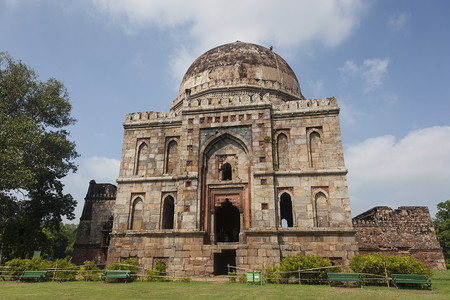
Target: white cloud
372 72
101 169
284 24
414 170
399 22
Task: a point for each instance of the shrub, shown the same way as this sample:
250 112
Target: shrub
186 278
287 270
67 269
18 265
158 273
232 276
374 264
89 271
128 264
243 278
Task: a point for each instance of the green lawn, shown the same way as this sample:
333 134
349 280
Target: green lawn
201 290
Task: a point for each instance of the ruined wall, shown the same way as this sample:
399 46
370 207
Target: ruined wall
92 240
407 230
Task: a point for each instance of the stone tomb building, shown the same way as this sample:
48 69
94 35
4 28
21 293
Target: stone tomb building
243 170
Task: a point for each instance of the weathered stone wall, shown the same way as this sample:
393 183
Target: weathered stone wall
407 230
92 240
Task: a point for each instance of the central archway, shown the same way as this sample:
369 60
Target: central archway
227 223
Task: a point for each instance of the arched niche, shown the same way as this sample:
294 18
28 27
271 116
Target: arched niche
282 151
171 162
321 210
136 214
142 159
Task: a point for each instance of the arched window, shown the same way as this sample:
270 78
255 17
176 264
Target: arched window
168 212
136 214
282 151
286 210
226 172
172 157
321 210
314 140
142 159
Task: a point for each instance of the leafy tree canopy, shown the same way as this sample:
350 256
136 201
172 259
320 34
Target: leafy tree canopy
35 153
442 224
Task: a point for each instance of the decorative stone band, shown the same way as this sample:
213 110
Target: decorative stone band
189 176
302 232
303 172
161 233
241 82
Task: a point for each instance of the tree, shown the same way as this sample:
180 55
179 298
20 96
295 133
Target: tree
35 153
442 225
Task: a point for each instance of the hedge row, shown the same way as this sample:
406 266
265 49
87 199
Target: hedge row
65 270
376 264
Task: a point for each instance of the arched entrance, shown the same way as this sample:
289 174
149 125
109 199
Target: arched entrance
227 223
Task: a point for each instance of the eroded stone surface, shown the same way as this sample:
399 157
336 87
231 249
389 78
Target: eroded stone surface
407 230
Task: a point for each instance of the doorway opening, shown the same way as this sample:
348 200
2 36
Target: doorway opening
227 219
222 260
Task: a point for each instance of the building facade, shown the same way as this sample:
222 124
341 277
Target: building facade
242 170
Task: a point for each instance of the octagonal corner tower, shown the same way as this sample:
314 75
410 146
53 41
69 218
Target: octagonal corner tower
243 170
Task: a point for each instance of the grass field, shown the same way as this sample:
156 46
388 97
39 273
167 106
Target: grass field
209 290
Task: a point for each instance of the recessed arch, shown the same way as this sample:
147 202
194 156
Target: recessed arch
211 144
136 214
321 210
171 157
142 159
228 144
314 140
282 151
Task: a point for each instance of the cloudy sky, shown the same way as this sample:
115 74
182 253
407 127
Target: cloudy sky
386 61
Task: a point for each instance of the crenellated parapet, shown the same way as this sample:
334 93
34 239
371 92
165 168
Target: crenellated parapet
152 116
308 104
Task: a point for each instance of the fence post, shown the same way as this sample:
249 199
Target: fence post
54 272
205 272
299 280
87 272
262 273
385 274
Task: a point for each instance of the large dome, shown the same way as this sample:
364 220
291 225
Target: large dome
238 62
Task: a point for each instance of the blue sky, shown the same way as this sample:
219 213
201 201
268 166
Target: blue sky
387 62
